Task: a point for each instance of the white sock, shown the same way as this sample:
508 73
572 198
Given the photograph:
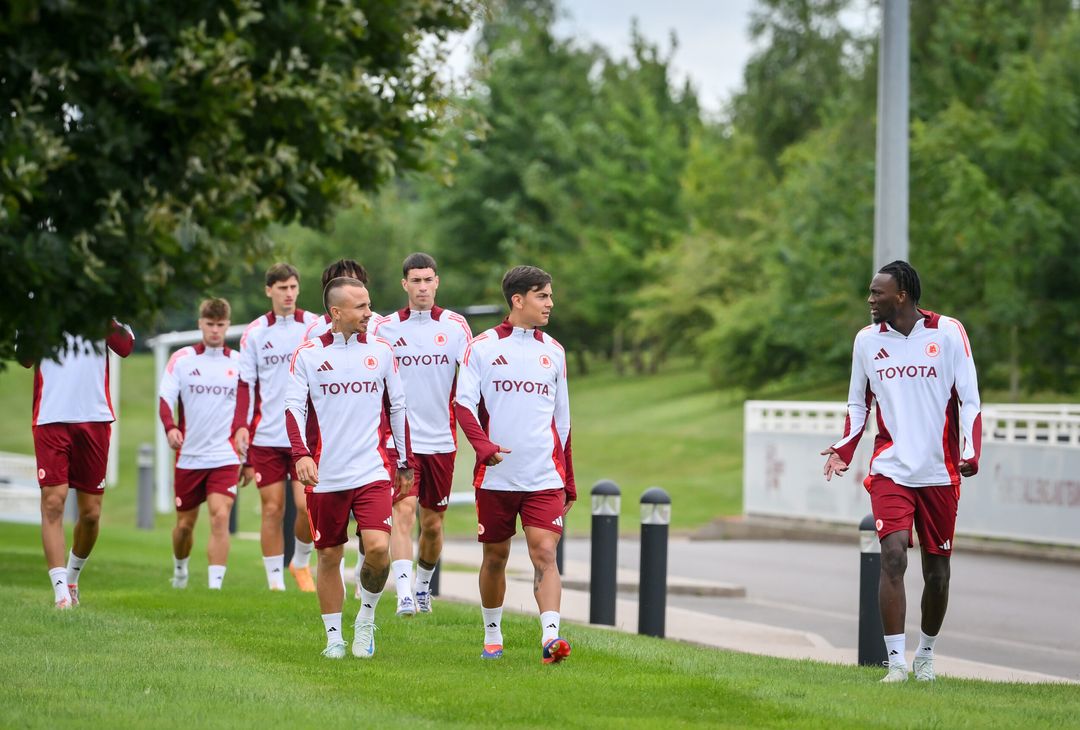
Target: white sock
332 625
423 579
74 567
368 602
402 570
894 647
275 568
926 646
180 565
492 625
217 575
549 624
58 578
301 556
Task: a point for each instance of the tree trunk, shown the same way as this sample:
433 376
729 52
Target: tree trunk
617 350
582 362
637 358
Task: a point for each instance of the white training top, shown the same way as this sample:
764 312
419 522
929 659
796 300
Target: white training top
340 397
928 398
428 347
512 385
266 349
202 381
74 388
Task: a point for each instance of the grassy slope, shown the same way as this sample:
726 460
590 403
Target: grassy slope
138 653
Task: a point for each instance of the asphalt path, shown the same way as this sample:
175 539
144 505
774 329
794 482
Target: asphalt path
1012 612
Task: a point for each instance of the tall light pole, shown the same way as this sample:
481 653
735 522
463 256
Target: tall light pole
891 175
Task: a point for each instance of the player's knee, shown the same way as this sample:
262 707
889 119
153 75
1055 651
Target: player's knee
937 579
52 508
272 511
184 529
219 521
893 561
90 515
543 556
431 523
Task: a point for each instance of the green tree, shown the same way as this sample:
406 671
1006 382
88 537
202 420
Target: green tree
145 147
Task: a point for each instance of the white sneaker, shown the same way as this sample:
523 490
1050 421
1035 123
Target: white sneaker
363 645
924 669
179 580
335 650
423 602
405 606
897 673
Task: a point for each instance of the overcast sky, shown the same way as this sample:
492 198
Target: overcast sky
713 39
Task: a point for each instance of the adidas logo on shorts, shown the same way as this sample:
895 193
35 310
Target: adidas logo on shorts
389 521
444 502
557 521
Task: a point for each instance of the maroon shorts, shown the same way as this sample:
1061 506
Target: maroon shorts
933 510
433 476
272 464
192 485
75 454
496 512
328 512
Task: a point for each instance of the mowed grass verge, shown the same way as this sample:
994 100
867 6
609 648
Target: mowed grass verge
140 654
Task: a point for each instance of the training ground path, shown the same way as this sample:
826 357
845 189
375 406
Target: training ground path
1009 620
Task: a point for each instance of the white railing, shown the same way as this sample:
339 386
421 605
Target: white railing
1007 423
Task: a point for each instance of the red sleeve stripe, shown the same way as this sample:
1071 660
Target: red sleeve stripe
183 351
963 334
468 350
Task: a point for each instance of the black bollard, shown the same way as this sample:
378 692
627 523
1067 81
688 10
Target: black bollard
233 511
288 522
144 518
652 586
603 584
434 584
871 643
559 551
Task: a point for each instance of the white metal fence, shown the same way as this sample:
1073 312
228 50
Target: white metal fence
1028 486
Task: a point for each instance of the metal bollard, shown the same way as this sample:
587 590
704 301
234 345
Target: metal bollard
652 590
871 643
233 512
434 585
71 507
288 522
603 583
559 551
145 461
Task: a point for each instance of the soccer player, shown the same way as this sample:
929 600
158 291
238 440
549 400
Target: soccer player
343 385
322 325
72 423
428 343
202 379
513 406
265 351
918 366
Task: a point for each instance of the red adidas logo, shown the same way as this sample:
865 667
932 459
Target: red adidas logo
324 367
195 373
268 346
882 355
401 342
501 360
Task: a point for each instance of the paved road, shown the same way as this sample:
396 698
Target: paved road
1006 611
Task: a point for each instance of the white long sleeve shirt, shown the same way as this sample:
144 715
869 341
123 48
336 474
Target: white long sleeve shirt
202 381
512 393
266 349
428 347
74 388
341 394
928 405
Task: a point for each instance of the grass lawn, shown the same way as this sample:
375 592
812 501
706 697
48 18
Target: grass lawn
139 654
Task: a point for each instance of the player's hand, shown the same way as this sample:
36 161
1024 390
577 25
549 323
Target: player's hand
176 438
307 471
967 469
834 464
247 475
567 504
402 482
497 458
241 440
